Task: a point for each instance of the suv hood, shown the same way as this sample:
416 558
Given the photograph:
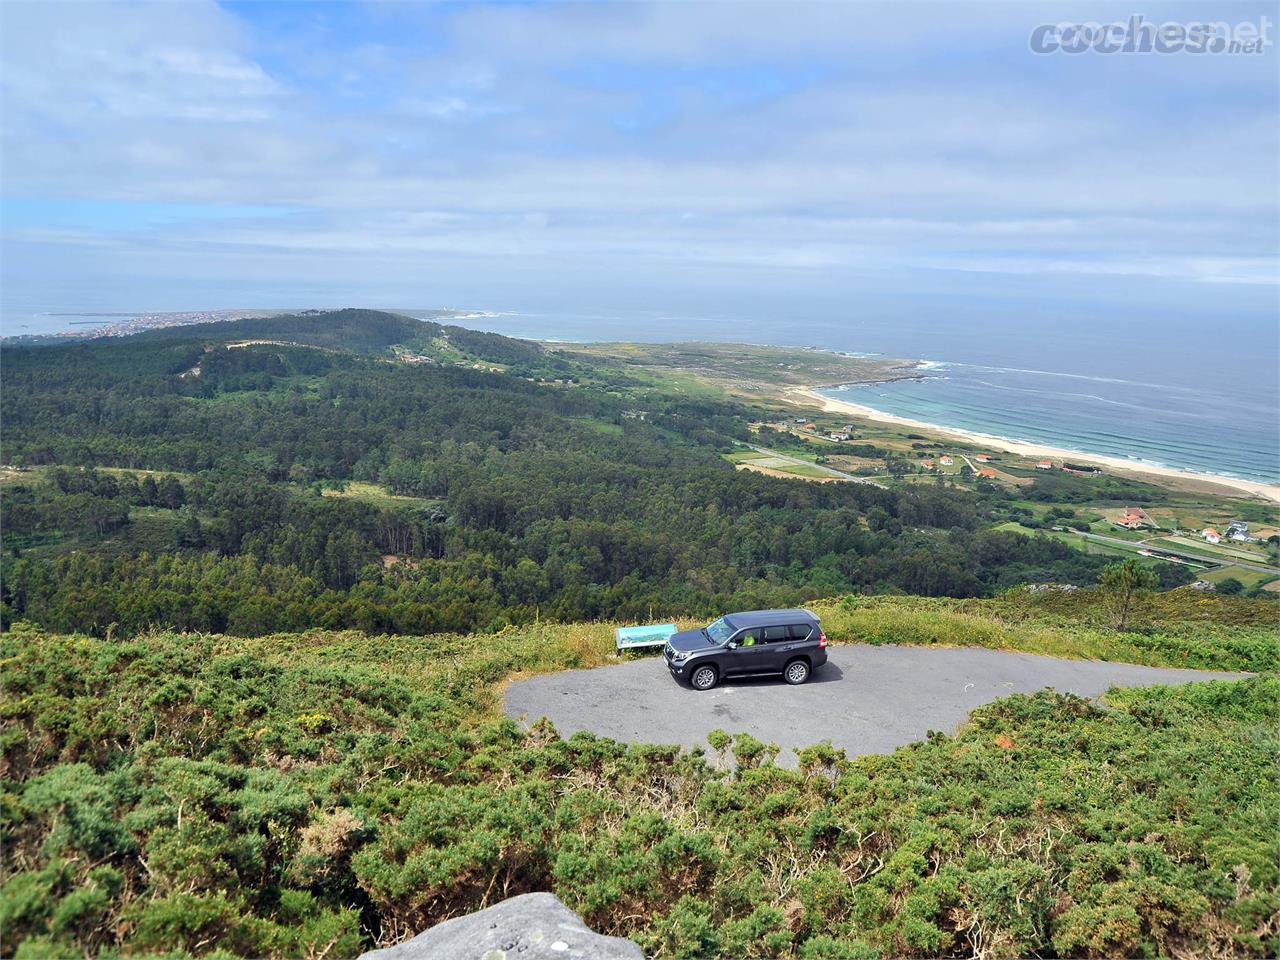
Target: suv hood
688 641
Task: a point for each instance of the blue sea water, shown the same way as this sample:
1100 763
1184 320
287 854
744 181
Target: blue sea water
1203 427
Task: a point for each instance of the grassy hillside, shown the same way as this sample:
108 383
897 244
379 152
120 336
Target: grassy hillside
373 332
182 482
742 369
314 794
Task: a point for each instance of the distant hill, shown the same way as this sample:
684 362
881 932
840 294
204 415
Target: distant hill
371 332
360 331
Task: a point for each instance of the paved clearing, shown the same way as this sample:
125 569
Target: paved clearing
866 699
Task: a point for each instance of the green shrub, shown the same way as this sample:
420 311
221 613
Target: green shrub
164 798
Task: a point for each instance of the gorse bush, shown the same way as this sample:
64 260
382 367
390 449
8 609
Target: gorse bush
314 795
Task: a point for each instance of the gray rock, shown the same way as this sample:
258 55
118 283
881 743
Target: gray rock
535 926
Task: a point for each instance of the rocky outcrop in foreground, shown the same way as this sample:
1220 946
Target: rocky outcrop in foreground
535 926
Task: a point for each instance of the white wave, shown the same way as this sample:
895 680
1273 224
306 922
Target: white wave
1078 376
1144 408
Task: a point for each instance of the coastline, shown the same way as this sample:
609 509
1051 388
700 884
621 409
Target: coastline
1188 479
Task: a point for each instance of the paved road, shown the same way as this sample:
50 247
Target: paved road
866 699
830 471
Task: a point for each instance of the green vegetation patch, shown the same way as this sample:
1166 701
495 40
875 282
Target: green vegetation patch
1180 628
477 500
1248 579
369 493
1227 550
183 794
746 366
802 470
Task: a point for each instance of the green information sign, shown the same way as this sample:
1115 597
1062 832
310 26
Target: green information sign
654 635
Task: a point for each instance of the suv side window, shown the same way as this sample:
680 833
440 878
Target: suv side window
800 631
749 638
777 634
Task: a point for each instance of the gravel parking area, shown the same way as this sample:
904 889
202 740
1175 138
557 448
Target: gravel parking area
866 699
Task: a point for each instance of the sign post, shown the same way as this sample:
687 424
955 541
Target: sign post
633 638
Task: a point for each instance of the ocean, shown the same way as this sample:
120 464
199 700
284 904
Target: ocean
1152 386
1200 427
1155 389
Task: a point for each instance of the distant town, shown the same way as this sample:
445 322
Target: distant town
125 325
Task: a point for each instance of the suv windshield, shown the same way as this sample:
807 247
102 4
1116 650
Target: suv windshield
720 631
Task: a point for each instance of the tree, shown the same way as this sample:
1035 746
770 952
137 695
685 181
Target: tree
169 493
1229 586
1121 581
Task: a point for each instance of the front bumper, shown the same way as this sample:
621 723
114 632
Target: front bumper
677 667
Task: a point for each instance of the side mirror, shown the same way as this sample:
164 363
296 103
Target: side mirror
733 644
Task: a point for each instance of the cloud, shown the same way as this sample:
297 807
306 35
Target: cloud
93 64
635 138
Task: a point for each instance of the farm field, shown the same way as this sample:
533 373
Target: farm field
1212 549
1249 578
1075 540
776 465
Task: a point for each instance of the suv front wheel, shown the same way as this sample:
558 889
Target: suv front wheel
704 678
797 672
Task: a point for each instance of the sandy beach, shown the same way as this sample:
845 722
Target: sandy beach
1165 476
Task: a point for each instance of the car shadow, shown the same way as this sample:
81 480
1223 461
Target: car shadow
827 673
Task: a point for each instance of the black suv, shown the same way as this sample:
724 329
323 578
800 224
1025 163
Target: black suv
789 642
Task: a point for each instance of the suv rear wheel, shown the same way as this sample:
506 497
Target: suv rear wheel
704 678
797 672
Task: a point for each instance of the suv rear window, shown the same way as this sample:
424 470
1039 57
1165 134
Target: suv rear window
800 631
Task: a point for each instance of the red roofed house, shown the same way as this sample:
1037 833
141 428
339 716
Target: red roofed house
986 472
983 458
1211 535
1044 465
1135 518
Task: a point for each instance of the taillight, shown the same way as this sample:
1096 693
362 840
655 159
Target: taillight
822 638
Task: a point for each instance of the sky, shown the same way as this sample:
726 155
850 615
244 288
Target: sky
714 157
